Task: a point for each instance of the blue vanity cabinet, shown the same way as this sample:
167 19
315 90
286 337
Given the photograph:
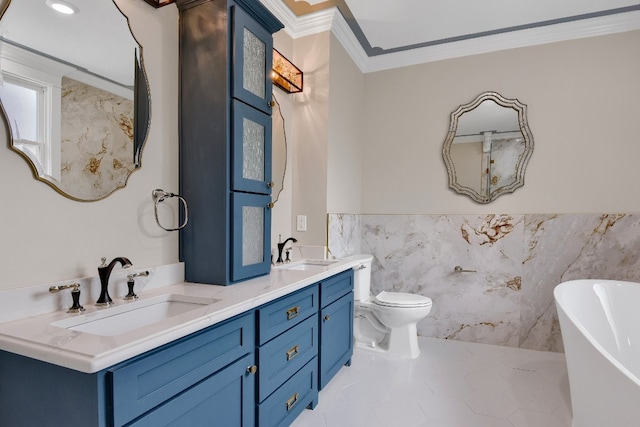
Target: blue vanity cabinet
336 325
205 374
225 137
200 379
224 398
287 357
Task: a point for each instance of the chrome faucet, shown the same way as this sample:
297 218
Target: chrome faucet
104 271
281 248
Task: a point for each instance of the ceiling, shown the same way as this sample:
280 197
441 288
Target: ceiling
388 34
97 39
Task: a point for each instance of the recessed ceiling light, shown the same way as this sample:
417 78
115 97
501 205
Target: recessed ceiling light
62 6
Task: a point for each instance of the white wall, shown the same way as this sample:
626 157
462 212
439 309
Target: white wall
583 109
310 134
346 132
281 222
326 138
46 237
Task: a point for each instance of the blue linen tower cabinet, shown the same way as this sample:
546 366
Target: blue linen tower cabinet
225 138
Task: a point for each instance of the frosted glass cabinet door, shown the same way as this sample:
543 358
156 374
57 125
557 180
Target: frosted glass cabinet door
251 150
251 235
252 59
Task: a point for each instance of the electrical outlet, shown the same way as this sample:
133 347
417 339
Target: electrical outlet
301 223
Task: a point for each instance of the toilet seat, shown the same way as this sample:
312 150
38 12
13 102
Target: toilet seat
401 299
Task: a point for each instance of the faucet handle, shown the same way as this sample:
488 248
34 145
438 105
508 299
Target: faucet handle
104 262
131 283
75 296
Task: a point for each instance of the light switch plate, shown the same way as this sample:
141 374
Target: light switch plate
301 223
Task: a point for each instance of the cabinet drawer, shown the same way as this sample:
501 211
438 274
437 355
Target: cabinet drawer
286 403
225 397
280 315
336 286
149 380
281 357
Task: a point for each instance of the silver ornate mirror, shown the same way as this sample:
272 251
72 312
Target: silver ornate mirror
488 147
74 93
279 151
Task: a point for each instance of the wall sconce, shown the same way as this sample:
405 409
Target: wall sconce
285 75
159 3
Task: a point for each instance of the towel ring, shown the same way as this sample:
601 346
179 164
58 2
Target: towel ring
159 196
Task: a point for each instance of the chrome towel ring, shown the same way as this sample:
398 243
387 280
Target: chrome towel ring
160 196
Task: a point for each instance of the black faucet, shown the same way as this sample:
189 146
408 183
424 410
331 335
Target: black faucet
281 248
104 271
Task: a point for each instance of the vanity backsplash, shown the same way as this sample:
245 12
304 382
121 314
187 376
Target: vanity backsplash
33 300
515 261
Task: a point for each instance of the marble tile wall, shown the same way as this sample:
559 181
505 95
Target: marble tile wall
517 261
98 158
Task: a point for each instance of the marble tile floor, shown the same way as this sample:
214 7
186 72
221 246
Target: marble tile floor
451 384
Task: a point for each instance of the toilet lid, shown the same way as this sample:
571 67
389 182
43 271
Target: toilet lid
401 299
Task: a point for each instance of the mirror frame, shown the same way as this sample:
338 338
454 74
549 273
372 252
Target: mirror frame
279 186
521 164
142 110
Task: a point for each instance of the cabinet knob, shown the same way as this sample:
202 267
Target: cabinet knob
252 369
271 103
327 317
270 205
271 184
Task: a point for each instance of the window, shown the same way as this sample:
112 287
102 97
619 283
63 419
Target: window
26 104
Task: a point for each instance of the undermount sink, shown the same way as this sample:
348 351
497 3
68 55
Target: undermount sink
306 264
126 317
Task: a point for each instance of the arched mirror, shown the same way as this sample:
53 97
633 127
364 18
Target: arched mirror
278 151
74 93
488 146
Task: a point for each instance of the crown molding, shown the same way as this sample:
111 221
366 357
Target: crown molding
529 37
305 25
332 19
349 41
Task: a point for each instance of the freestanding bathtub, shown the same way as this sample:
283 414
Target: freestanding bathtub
600 324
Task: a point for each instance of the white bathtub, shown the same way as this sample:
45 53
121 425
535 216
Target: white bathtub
600 323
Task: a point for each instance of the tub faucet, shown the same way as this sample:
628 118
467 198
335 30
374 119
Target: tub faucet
281 248
104 271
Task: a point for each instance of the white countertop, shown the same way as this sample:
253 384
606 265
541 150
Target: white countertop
35 337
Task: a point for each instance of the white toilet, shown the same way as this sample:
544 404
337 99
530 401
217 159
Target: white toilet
387 322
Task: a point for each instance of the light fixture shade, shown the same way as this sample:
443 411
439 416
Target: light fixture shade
285 75
159 3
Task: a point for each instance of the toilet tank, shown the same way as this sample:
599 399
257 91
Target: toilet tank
362 280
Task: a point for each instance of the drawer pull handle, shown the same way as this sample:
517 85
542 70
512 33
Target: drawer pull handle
291 402
293 312
293 352
327 317
252 369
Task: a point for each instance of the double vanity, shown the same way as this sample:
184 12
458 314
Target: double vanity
255 353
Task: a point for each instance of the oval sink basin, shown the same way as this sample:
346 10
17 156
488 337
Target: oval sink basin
123 318
306 264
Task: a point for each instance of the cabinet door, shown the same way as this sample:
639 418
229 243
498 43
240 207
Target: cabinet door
336 338
251 150
252 58
251 235
143 383
223 399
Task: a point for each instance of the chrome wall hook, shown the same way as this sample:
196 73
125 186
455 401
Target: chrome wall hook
160 196
459 269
